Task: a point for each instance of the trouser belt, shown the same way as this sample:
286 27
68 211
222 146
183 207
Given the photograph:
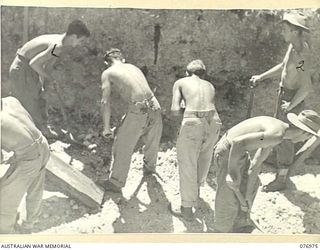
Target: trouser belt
30 147
198 114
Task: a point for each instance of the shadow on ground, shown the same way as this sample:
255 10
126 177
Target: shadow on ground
309 204
137 216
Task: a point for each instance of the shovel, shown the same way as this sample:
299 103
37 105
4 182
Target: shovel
279 99
249 219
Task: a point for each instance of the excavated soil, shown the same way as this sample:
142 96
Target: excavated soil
143 206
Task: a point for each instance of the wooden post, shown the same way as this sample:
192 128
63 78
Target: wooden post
25 37
46 20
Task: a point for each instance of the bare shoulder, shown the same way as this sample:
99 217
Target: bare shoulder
105 74
179 83
208 83
55 42
50 39
183 81
129 65
11 100
275 126
266 119
126 68
11 103
52 43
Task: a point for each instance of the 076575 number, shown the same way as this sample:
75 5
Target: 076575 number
308 246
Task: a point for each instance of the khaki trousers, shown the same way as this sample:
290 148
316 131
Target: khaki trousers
195 143
285 151
25 175
227 215
145 125
26 87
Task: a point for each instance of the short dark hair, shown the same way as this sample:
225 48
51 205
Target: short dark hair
113 53
78 28
196 67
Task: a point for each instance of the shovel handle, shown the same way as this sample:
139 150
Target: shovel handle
250 104
278 104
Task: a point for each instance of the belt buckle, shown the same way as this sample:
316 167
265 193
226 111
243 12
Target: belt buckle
143 107
146 103
200 114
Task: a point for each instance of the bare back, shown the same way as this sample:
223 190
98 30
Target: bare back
197 94
40 44
17 127
270 132
129 81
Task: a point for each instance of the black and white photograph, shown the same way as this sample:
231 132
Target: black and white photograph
167 121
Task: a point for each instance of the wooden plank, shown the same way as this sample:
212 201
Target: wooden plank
72 182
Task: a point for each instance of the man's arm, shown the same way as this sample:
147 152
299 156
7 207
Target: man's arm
176 109
48 69
239 146
254 171
276 70
39 61
105 103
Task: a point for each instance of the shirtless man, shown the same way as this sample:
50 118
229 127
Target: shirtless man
294 87
237 174
198 134
28 72
26 173
143 118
